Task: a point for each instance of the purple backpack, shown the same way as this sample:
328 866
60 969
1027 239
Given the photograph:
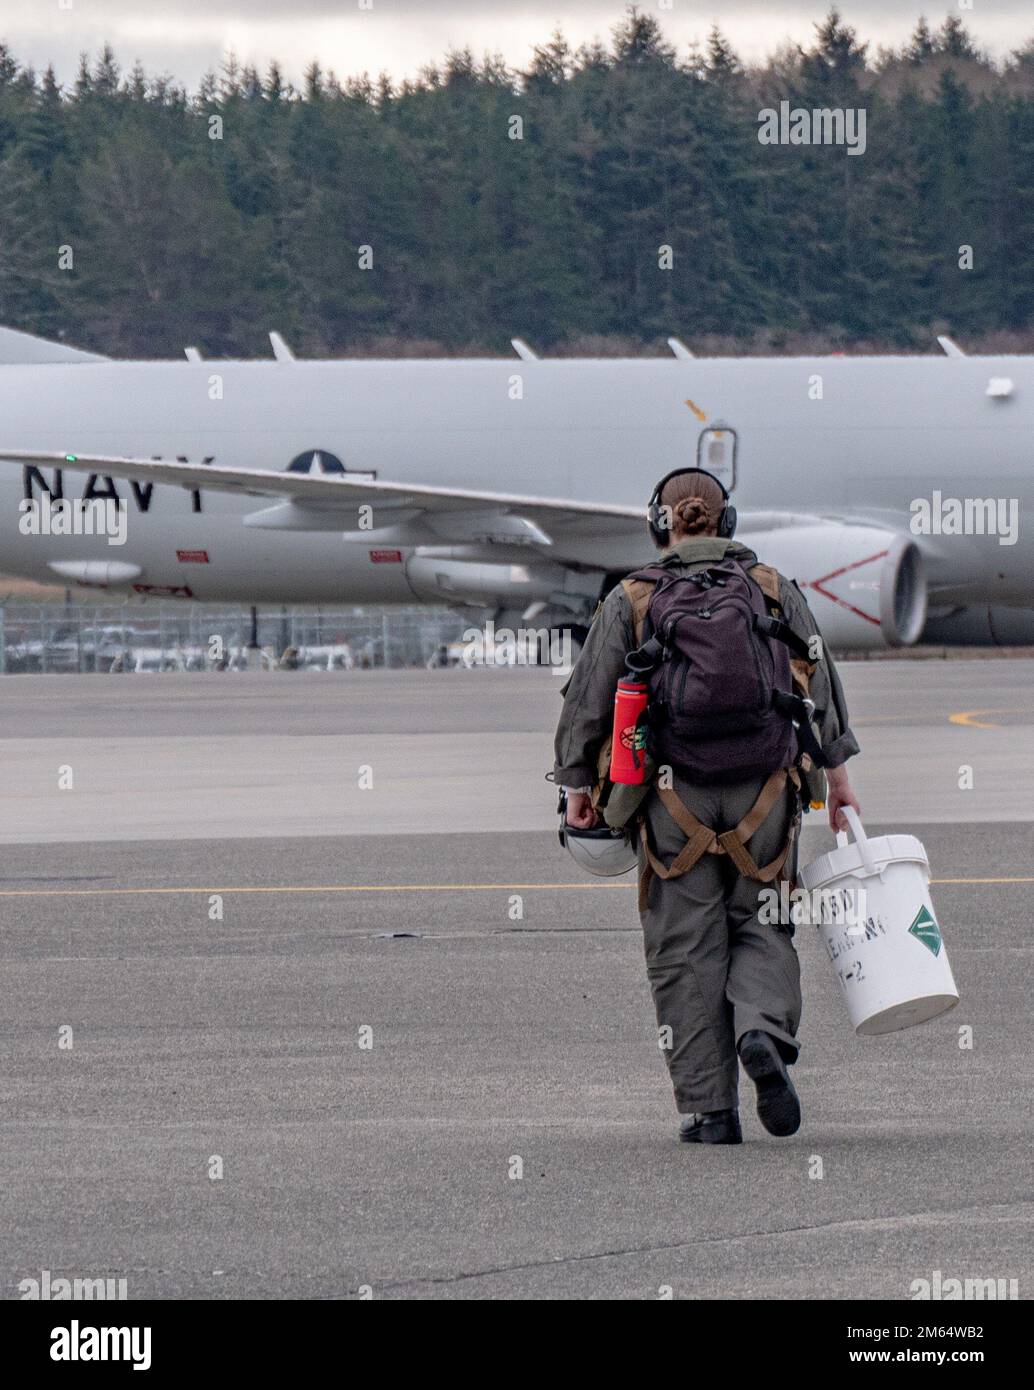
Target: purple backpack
722 706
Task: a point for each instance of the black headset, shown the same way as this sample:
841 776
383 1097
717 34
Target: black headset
661 533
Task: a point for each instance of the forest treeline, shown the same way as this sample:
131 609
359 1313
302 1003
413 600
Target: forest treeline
495 202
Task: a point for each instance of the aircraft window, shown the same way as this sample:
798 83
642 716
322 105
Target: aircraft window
716 451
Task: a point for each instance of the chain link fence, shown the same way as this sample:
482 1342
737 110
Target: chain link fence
195 637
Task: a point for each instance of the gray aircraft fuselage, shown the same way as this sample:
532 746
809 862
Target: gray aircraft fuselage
856 439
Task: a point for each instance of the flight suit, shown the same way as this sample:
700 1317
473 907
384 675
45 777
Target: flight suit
717 966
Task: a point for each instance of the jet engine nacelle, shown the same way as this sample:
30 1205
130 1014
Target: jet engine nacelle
866 586
438 576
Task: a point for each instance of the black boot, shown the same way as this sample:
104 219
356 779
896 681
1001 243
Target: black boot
779 1109
714 1127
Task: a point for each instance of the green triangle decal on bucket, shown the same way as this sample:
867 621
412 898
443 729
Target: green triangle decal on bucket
926 930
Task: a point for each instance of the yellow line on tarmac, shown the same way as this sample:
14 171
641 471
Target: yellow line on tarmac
381 888
321 888
982 880
964 718
967 718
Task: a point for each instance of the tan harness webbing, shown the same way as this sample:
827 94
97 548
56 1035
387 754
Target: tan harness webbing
638 592
701 839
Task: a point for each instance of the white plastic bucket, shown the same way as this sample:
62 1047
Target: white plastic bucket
879 929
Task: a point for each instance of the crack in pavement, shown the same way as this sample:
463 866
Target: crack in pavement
1008 1212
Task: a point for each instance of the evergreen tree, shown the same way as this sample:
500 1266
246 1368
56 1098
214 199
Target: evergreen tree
639 39
538 202
954 39
836 60
922 46
721 64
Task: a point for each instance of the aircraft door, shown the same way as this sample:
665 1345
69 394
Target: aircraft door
716 451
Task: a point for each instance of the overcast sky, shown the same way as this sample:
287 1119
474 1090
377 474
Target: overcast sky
186 37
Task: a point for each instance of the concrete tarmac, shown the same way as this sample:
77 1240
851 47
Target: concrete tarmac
419 1047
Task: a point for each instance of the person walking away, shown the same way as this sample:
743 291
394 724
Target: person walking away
718 818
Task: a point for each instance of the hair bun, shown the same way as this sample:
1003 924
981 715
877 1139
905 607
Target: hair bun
694 515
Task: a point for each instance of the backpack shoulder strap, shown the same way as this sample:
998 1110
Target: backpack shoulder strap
638 592
802 668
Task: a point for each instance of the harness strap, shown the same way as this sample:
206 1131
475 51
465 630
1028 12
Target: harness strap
767 580
767 798
744 861
638 592
701 839
802 672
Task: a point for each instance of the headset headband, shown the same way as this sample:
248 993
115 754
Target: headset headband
661 532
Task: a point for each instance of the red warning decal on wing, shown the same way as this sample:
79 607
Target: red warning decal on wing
192 557
386 557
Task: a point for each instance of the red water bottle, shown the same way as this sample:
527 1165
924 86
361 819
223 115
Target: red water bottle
628 746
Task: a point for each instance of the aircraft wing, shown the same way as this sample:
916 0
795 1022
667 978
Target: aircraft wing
343 493
23 349
866 581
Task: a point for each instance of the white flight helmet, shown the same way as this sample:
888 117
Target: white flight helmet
601 851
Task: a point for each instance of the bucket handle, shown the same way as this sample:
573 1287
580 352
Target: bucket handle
851 816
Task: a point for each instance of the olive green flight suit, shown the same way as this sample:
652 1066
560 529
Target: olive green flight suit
716 971
716 968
